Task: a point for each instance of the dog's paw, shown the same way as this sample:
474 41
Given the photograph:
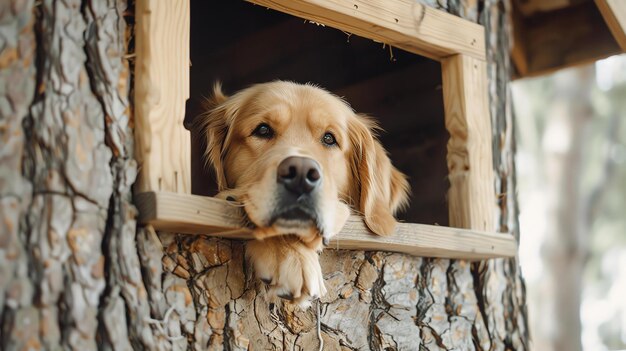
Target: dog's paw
289 267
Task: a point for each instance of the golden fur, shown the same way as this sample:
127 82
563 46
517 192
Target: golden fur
356 174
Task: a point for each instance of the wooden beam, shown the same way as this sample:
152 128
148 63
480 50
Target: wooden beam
404 24
190 214
194 214
614 13
161 89
471 198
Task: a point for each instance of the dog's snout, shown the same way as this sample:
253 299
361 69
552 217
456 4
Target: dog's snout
300 175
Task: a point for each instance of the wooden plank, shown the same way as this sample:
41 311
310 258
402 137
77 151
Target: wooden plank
161 89
614 13
427 240
471 198
404 24
194 214
189 214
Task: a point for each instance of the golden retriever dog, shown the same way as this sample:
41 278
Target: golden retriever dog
298 159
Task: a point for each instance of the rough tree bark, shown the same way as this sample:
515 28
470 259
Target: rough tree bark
76 272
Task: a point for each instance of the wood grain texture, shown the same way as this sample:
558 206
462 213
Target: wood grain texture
471 198
205 215
161 89
190 214
614 13
405 24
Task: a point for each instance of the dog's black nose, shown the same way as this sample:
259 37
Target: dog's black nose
300 175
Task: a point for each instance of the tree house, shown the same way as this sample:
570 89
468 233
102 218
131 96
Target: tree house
451 58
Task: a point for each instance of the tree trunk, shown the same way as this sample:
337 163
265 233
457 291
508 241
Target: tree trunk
76 272
564 250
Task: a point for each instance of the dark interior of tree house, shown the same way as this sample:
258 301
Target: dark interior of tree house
241 44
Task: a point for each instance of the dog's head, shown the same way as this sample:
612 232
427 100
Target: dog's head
297 156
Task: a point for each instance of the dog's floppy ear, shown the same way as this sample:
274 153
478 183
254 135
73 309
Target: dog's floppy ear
380 188
214 125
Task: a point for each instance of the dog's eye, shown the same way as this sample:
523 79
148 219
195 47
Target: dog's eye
329 139
263 131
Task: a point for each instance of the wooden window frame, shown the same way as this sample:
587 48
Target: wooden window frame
163 189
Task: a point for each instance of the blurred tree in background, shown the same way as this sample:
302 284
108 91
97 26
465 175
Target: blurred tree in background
572 182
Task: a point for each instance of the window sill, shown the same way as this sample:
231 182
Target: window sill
193 214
